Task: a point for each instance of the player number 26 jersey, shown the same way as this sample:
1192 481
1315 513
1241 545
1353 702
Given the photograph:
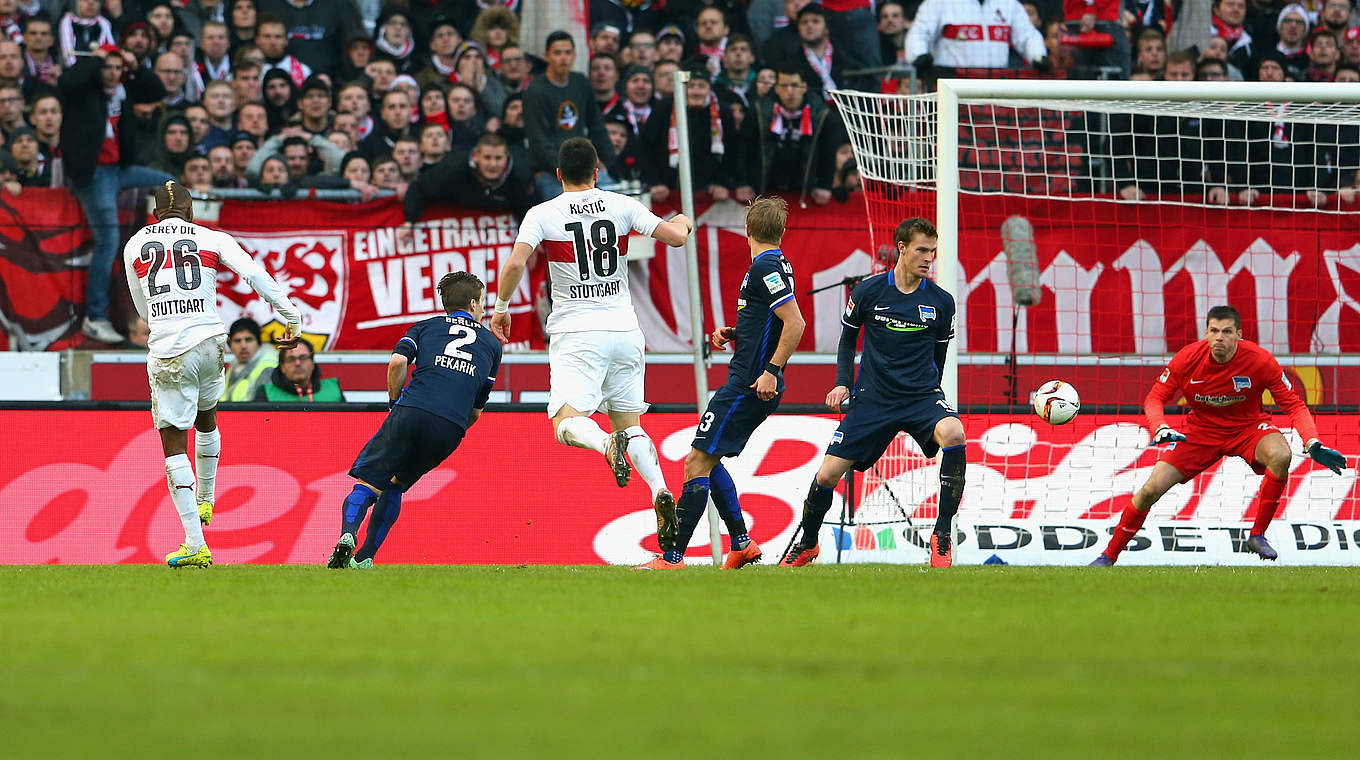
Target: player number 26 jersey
585 235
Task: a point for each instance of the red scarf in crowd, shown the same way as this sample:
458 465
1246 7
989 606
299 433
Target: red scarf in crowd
715 133
781 116
637 115
714 55
821 65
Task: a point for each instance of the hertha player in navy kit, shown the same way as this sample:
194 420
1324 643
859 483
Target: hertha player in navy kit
456 362
769 326
908 322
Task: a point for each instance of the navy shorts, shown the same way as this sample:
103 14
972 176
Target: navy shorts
410 443
868 428
730 419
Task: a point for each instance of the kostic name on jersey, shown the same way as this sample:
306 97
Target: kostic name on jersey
582 209
178 306
599 290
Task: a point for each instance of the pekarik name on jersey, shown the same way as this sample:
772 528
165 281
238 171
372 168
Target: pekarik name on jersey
466 366
178 306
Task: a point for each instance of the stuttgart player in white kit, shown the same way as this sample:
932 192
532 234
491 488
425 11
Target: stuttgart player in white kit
171 270
595 350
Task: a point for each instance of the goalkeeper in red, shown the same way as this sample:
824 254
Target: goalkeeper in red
1222 378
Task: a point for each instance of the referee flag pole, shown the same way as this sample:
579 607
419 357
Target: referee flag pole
696 309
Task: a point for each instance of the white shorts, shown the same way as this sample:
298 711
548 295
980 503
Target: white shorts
596 370
184 385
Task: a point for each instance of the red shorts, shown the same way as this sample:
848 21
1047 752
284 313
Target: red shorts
1202 448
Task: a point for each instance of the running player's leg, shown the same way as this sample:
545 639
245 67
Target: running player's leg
436 441
576 368
385 513
207 437
623 396
173 409
1164 476
675 527
815 507
1269 451
377 463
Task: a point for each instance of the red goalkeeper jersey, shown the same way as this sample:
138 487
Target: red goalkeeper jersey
1226 397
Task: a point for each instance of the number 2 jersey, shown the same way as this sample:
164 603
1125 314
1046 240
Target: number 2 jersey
171 269
456 360
1226 397
585 234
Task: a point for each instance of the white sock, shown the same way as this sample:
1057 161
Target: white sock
582 432
179 474
642 453
207 447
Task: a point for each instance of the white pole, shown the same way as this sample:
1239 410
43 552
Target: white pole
696 308
947 220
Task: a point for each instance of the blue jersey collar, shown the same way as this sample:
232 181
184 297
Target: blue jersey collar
772 252
461 313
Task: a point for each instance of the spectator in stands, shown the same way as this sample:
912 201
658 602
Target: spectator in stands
738 77
221 166
1217 50
243 149
280 98
315 105
170 68
1151 54
250 368
628 161
1336 16
488 180
381 72
514 69
246 86
1350 46
627 15
1324 52
820 59
1103 16
161 19
604 82
670 44
1292 26
97 156
512 129
854 34
340 139
358 54
254 120
40 52
710 132
45 116
935 38
473 71
711 32
30 168
272 38
604 39
241 21
495 28
201 130
407 155
273 176
434 145
139 39
798 137
1180 67
297 148
354 101
197 174
386 174
642 48
635 107
393 39
434 107
11 107
214 52
1271 68
466 124
298 378
444 42
315 32
354 169
892 33
394 121
557 105
1347 73
1193 28
176 145
1211 70
82 29
663 79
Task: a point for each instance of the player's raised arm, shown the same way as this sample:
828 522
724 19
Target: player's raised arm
259 280
1283 393
511 274
674 231
1154 406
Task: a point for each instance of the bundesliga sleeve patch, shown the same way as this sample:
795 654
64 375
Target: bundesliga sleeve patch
773 282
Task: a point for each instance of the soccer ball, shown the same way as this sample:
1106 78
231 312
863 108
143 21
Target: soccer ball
1056 402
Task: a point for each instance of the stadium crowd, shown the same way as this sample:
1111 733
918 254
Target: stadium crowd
443 99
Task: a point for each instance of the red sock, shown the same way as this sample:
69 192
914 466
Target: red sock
1130 522
1267 501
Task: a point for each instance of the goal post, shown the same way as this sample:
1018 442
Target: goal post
1086 227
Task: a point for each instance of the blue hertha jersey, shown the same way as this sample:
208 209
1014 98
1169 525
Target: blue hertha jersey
768 284
456 360
901 333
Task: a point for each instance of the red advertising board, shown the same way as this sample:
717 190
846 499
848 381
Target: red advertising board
82 487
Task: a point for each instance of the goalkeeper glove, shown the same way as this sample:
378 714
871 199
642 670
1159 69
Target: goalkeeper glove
1165 434
1329 458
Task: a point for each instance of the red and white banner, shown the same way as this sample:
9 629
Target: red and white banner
511 494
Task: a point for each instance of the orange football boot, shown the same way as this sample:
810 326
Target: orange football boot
659 563
799 555
941 550
740 558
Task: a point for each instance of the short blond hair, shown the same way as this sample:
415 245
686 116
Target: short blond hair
765 218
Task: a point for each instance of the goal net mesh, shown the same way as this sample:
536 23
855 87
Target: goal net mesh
1093 237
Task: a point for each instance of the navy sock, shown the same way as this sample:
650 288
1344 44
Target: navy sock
384 515
814 511
952 466
729 506
693 501
356 506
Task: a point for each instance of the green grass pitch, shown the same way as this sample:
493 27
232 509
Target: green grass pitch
565 662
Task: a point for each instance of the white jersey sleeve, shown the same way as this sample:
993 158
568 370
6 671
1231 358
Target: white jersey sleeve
644 221
256 277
